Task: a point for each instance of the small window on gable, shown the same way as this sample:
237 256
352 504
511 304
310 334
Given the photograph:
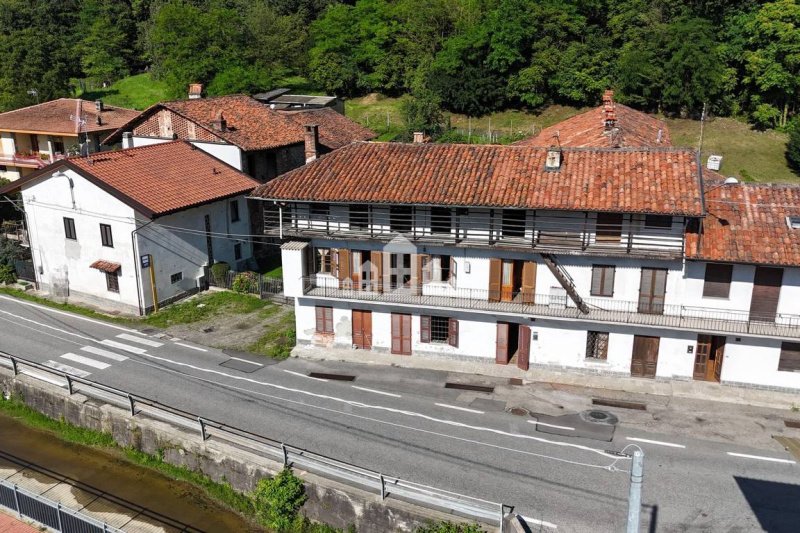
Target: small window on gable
234 210
793 222
175 278
658 221
359 217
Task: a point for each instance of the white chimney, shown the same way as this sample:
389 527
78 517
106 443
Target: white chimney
127 139
98 105
311 142
553 161
419 137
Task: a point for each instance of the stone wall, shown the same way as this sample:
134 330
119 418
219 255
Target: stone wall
328 501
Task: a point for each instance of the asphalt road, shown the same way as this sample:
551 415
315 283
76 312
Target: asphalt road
416 430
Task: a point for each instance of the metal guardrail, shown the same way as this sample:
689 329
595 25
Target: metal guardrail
50 513
385 486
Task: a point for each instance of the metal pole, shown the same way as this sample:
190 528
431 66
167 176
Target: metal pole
635 494
383 488
58 514
153 287
285 455
16 501
69 383
14 365
130 399
202 428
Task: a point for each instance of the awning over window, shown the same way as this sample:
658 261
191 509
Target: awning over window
105 266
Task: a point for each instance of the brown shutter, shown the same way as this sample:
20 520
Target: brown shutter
495 279
501 350
602 280
528 281
328 319
344 267
766 291
376 258
424 328
524 350
652 290
453 271
397 339
334 252
790 357
717 280
416 275
320 311
452 335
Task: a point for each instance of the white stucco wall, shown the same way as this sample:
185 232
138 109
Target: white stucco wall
228 153
751 360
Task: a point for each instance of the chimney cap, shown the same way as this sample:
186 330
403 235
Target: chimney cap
195 90
554 158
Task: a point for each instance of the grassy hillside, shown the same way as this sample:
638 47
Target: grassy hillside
134 92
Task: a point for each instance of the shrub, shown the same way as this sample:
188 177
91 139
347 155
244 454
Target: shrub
246 282
219 271
278 500
7 274
449 527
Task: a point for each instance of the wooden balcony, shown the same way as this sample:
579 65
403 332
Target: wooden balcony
557 305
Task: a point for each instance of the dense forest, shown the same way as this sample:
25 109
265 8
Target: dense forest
740 57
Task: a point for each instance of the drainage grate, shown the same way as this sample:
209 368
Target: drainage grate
519 411
334 377
515 381
467 386
619 403
792 423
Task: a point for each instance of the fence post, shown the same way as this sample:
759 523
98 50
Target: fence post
285 455
16 501
14 366
130 399
383 488
202 428
502 517
58 514
635 494
69 383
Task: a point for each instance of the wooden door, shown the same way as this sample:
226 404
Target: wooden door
702 351
343 269
528 282
644 359
401 334
766 290
376 258
495 270
652 290
524 350
362 329
718 348
501 351
507 281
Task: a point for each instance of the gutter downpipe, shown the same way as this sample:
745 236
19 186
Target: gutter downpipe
280 220
136 264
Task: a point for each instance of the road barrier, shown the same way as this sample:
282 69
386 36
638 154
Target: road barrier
388 487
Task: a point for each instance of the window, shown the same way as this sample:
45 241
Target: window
58 145
34 143
175 278
790 357
793 222
717 281
658 221
235 211
438 268
596 345
513 223
105 235
237 251
439 329
69 229
602 280
112 281
320 211
359 217
3 168
324 319
324 260
609 227
400 219
441 221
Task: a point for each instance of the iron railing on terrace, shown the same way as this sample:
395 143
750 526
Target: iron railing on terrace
575 232
34 160
557 305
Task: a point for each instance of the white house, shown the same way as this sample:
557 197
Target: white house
618 261
101 227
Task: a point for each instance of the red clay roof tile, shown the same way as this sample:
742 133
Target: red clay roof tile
61 117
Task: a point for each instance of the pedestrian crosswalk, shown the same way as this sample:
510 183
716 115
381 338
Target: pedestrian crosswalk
94 358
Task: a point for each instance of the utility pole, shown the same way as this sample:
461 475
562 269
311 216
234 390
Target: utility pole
635 494
702 124
153 284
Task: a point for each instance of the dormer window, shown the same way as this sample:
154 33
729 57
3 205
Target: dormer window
793 222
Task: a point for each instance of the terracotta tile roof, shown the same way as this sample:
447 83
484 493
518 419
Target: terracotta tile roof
252 125
59 117
746 223
635 129
105 266
620 180
155 180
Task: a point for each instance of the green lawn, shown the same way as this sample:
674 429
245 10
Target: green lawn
134 92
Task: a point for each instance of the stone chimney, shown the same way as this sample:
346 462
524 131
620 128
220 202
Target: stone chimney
195 91
419 137
312 142
99 107
219 123
127 139
609 113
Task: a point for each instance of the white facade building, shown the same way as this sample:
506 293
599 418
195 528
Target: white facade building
608 262
91 222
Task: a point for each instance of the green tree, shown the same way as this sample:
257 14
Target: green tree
793 145
105 30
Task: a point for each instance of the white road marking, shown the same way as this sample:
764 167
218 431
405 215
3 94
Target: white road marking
245 361
377 391
191 347
68 369
535 522
121 346
292 372
660 443
48 326
761 457
79 317
536 422
42 376
460 408
85 361
139 340
104 353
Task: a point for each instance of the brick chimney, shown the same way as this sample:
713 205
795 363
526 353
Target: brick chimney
219 123
195 91
609 113
311 142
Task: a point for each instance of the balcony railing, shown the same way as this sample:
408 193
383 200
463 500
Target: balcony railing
32 160
556 305
565 233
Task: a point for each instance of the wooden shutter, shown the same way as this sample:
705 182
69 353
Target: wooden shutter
452 333
501 350
334 253
652 290
524 350
320 327
717 280
397 334
602 280
528 281
426 268
453 271
328 311
358 328
324 317
376 258
425 328
495 279
790 357
344 273
416 275
766 291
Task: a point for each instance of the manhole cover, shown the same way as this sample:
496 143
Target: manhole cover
597 416
519 411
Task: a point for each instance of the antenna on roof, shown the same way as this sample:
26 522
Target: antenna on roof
702 123
557 137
